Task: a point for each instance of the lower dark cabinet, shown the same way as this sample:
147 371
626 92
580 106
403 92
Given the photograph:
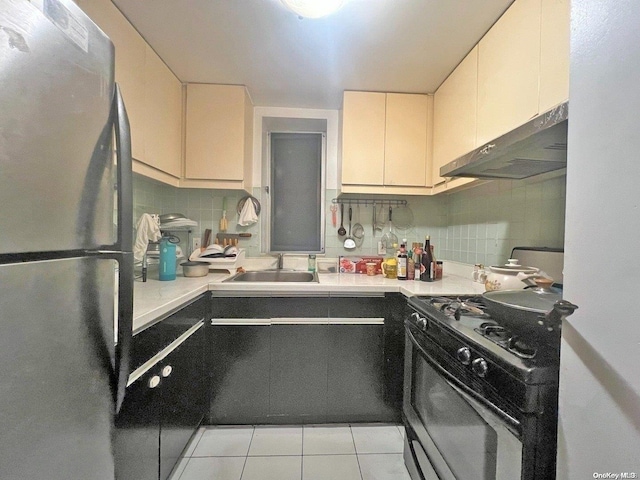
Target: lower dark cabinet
137 432
298 373
238 366
184 399
274 360
355 374
164 406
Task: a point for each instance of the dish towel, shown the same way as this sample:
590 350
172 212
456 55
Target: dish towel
248 214
147 230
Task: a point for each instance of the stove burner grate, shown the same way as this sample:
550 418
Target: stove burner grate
504 338
456 307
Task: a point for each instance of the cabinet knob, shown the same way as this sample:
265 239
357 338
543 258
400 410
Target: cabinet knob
464 355
480 367
166 371
154 381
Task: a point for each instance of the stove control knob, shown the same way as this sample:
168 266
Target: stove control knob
479 367
464 355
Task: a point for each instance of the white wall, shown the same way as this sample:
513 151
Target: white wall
599 424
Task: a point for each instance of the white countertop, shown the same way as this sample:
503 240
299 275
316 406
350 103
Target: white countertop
154 299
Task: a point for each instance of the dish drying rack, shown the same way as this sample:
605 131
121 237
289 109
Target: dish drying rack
229 264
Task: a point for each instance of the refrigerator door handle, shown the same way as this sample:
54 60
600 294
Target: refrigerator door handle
124 175
125 245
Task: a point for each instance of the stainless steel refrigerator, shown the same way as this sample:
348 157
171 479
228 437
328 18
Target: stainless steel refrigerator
65 244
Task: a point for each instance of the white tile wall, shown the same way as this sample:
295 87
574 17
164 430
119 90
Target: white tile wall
478 225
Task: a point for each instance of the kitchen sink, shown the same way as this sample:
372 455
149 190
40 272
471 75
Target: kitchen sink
274 276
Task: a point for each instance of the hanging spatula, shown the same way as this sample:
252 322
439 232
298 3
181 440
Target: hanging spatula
223 221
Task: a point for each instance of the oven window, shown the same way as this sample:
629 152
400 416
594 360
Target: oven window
465 440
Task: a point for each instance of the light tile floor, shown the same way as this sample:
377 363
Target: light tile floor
309 452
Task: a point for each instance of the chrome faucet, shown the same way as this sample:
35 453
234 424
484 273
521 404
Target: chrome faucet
280 263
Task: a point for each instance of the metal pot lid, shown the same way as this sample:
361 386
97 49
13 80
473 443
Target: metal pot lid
166 217
513 268
537 300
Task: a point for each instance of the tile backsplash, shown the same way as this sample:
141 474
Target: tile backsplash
478 225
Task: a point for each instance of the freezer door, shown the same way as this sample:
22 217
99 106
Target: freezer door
56 163
56 370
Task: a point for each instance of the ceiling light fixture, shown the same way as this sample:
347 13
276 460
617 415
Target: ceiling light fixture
313 8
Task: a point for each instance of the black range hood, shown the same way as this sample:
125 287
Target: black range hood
538 146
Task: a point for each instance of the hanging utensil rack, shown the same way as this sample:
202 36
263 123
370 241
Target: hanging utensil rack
370 201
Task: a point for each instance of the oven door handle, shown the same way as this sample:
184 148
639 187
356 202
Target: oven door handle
479 404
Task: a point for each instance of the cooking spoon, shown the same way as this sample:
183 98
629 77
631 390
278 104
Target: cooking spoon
349 242
358 229
341 231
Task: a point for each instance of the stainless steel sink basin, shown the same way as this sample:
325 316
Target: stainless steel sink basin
274 276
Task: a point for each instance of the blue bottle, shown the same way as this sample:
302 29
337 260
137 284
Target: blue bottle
167 268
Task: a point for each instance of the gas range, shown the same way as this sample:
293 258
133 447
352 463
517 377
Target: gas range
462 325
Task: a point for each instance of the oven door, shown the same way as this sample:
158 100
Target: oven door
458 432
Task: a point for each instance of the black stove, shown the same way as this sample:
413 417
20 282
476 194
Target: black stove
464 323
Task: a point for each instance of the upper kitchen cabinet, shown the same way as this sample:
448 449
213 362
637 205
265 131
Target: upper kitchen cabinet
519 69
385 142
363 128
508 71
408 125
163 116
455 114
554 53
219 137
130 50
151 93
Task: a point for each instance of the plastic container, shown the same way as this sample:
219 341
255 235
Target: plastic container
167 267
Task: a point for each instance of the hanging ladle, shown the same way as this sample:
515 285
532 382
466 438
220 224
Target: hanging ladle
349 243
341 231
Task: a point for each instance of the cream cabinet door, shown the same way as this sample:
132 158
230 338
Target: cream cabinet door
363 138
554 53
454 117
216 144
130 58
508 71
163 116
405 152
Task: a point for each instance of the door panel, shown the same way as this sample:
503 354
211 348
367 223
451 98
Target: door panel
55 148
183 399
56 342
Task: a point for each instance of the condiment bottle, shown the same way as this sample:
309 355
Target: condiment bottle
402 262
427 271
411 266
418 262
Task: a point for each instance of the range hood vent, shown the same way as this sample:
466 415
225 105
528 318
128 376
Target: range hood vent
538 146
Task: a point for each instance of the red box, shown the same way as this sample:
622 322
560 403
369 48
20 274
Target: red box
359 264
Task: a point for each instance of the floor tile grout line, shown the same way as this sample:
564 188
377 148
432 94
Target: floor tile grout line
302 456
253 432
356 450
